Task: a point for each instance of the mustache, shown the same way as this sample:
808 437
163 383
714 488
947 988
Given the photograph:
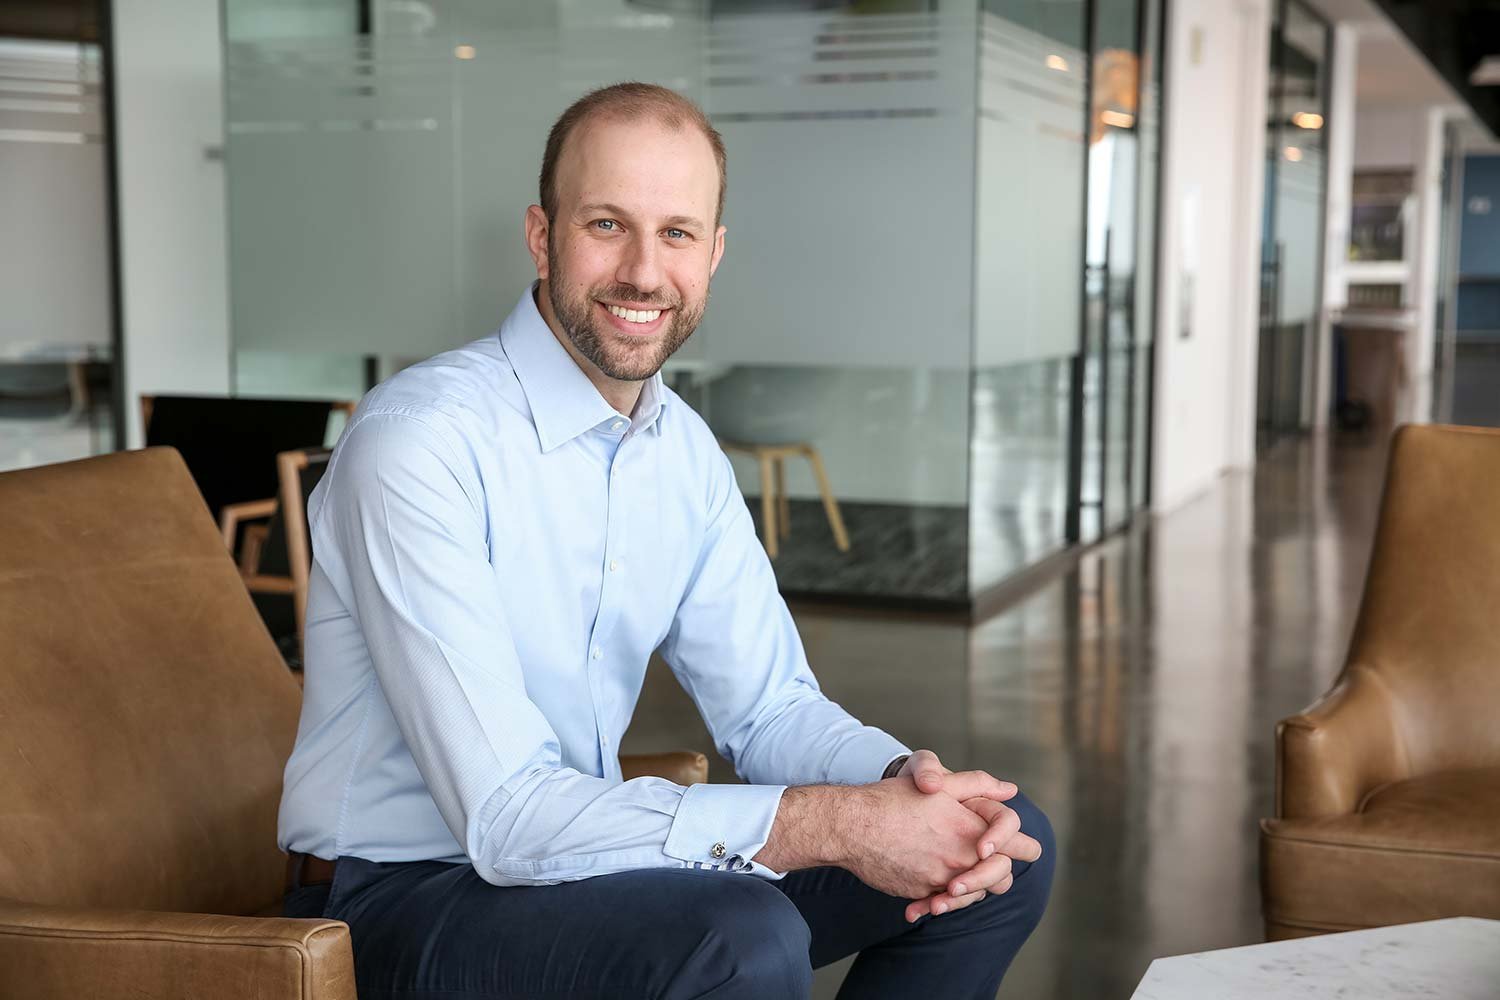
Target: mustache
629 293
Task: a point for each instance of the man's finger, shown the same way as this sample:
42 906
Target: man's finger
969 784
1004 823
985 874
1012 842
942 903
1020 847
927 771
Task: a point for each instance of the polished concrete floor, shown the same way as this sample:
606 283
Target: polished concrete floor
1135 698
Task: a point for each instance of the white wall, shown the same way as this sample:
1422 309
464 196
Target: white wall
1429 188
1386 137
169 113
1212 181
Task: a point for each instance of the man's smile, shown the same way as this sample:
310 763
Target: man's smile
633 320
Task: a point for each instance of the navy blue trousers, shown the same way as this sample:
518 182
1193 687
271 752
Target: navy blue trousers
427 930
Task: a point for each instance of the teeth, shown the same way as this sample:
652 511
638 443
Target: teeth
634 315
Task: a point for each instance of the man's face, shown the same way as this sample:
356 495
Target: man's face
625 265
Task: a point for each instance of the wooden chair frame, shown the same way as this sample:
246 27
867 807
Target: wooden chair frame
775 507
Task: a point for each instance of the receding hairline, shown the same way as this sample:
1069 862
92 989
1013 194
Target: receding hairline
627 102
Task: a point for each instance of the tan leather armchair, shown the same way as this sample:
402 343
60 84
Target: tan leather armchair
145 718
1388 788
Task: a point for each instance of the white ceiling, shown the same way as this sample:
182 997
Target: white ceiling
1391 72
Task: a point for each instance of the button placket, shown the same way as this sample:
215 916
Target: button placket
609 597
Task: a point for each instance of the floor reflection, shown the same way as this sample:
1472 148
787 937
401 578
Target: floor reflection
1135 699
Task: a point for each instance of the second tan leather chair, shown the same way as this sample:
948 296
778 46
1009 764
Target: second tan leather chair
1388 789
145 719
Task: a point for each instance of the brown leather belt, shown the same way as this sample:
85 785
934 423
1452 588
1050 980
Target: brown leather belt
313 870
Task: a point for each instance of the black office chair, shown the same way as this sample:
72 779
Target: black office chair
231 448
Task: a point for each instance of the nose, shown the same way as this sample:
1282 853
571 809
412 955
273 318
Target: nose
640 265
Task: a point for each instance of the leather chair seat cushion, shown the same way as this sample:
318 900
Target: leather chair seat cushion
1420 849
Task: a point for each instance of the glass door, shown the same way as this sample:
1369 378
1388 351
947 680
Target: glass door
1112 371
1292 235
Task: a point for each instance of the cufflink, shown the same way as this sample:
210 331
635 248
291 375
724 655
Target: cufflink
717 850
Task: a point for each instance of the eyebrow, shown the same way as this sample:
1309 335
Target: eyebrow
676 221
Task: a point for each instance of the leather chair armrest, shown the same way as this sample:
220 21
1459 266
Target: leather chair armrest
1338 751
63 953
685 767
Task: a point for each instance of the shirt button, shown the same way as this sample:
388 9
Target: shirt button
598 652
613 565
718 850
617 425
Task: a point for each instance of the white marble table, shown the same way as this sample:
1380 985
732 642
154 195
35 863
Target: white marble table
1457 959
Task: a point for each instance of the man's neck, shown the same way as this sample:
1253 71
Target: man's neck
621 395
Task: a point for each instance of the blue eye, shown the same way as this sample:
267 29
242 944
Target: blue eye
605 224
676 234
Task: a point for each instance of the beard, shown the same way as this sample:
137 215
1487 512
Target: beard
608 350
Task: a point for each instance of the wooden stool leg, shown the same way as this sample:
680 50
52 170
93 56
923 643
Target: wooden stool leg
783 502
830 505
768 502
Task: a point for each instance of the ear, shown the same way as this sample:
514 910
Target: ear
713 265
537 234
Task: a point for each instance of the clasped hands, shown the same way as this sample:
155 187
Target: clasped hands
996 828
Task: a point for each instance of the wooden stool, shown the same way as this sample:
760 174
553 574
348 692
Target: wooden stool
776 511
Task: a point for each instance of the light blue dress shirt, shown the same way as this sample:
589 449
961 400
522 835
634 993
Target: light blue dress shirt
496 554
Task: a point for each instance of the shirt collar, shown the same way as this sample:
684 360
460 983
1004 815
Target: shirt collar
564 403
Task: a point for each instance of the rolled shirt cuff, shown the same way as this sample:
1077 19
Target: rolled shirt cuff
864 758
724 827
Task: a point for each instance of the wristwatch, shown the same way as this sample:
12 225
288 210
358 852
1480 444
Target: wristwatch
894 767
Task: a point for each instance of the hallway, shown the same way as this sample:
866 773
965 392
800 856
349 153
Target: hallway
1135 698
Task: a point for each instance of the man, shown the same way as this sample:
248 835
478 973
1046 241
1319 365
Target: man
504 535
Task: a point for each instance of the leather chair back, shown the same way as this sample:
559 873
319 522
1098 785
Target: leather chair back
145 716
1429 626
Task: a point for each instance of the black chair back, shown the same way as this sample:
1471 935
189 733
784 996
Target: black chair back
230 445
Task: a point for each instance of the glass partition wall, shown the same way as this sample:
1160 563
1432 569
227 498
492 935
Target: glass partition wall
58 338
904 283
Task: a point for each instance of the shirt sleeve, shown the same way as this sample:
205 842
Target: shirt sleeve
735 649
404 518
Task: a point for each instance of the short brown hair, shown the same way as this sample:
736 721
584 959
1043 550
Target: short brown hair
628 101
